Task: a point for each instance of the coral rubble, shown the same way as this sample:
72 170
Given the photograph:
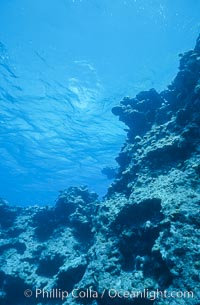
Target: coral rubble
144 235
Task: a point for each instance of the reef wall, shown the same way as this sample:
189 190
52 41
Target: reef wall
143 236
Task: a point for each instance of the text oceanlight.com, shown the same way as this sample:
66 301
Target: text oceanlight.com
108 293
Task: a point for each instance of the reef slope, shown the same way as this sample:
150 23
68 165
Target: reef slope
143 236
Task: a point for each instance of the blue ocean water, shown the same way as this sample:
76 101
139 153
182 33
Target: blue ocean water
64 65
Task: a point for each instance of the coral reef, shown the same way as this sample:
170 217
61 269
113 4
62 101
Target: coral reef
144 235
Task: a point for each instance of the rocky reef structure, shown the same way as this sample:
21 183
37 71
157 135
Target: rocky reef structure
143 237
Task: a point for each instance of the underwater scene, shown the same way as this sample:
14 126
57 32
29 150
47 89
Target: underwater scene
100 152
